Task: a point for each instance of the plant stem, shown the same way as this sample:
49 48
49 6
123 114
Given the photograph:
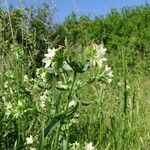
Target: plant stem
70 92
56 141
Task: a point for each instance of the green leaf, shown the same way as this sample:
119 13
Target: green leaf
59 118
66 66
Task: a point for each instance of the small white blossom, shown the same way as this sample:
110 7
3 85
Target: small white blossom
119 83
32 148
42 104
43 76
6 84
128 87
20 104
37 71
99 57
75 146
108 70
25 78
29 140
100 63
108 73
109 80
73 121
101 51
43 99
72 103
8 108
49 56
89 146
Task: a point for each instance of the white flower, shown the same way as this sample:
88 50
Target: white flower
73 121
75 146
109 80
99 57
107 69
38 71
25 78
119 83
101 51
8 105
100 63
6 84
89 146
43 104
20 103
128 87
32 148
51 53
108 73
43 76
8 108
72 103
48 57
43 98
29 140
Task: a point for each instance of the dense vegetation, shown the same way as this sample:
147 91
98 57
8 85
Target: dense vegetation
109 116
127 30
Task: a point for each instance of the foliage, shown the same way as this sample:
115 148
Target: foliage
127 30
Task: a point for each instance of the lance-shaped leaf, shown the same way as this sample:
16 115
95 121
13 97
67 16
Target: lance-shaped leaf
59 118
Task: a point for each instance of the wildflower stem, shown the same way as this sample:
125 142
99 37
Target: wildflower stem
56 141
70 92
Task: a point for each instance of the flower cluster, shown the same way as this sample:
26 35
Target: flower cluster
99 55
49 57
29 140
75 146
100 60
108 73
8 108
89 146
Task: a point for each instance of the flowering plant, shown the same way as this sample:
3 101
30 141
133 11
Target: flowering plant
52 95
61 65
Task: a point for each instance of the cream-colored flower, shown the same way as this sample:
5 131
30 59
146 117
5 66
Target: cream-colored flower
32 148
25 78
99 57
109 80
72 103
101 51
43 76
8 108
43 98
75 146
49 56
108 73
89 146
29 140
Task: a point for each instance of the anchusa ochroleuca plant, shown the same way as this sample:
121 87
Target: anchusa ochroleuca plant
66 69
51 99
